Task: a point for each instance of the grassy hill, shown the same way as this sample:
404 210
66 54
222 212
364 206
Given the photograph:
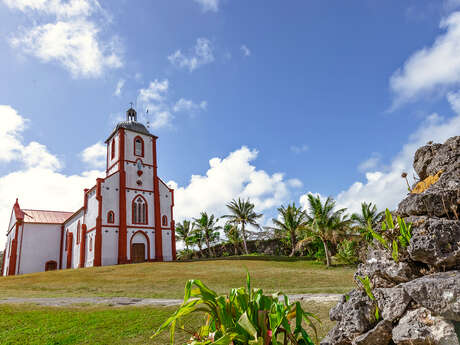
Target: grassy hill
167 280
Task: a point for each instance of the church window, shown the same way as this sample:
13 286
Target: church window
165 221
110 217
138 147
78 232
91 244
139 210
112 148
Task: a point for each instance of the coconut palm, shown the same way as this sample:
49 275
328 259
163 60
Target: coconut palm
368 217
291 221
184 232
242 213
197 238
325 222
209 228
233 235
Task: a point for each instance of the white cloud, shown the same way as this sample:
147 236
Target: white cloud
209 5
227 178
245 50
95 155
430 69
119 86
299 149
371 163
155 100
385 187
189 106
73 40
55 190
202 55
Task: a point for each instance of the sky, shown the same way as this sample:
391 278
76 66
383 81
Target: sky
267 100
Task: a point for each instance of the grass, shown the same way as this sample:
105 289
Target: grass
28 324
167 280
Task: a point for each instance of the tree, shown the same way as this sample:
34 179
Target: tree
184 232
242 213
325 222
233 235
368 217
209 228
292 220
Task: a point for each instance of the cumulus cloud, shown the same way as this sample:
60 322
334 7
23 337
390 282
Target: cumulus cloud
202 54
155 99
371 163
233 176
209 5
56 191
72 40
119 86
430 69
95 155
299 149
245 50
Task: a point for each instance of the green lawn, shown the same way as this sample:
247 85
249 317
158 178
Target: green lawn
167 280
26 324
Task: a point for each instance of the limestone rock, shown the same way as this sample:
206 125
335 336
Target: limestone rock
379 335
439 292
392 302
419 327
436 242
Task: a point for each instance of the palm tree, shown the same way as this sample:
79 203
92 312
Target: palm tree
208 226
197 238
292 220
325 222
184 232
233 235
368 217
242 213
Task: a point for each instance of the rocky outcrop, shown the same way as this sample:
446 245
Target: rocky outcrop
417 296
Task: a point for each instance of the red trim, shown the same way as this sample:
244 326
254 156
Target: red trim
173 227
13 252
112 147
140 190
135 162
142 146
122 234
146 220
83 246
131 244
164 220
98 237
20 248
110 167
140 227
156 188
110 226
85 200
69 249
61 246
110 213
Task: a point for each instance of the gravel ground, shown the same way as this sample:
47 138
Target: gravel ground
128 301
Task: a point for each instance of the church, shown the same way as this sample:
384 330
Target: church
126 217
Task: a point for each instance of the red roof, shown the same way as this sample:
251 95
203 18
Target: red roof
46 217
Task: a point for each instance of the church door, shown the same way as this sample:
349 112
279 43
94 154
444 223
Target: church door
50 266
138 252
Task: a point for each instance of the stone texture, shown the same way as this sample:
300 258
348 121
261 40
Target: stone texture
379 335
392 302
435 242
440 293
419 327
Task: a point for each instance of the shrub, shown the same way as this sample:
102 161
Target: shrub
244 317
346 252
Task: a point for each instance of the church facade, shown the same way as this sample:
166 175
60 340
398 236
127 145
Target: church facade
126 217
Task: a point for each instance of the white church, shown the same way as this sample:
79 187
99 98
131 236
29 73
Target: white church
127 217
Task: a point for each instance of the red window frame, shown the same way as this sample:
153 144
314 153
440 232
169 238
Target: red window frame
146 220
110 217
142 146
164 220
112 148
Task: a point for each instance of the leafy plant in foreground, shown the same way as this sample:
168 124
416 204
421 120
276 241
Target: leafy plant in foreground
244 317
365 281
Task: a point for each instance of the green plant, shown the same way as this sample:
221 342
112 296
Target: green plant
366 284
369 217
244 317
346 252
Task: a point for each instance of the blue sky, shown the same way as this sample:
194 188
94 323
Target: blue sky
289 97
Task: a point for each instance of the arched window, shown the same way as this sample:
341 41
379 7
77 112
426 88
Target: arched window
112 148
78 232
110 217
139 210
90 244
50 265
165 221
138 147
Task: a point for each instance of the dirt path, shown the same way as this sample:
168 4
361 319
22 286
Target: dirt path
128 301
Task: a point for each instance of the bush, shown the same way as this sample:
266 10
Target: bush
346 252
244 317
